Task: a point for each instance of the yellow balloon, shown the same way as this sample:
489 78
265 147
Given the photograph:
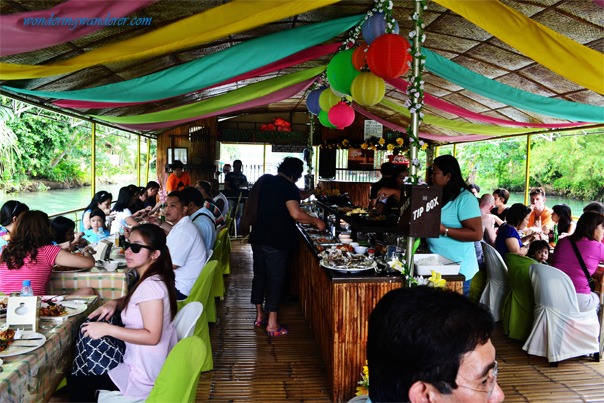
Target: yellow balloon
327 99
367 89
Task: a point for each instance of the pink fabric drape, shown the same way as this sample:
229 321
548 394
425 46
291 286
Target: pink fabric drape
402 85
25 32
297 58
425 136
265 100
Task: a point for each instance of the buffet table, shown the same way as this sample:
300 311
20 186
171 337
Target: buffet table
337 307
34 376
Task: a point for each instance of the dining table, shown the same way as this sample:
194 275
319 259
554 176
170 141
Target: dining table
107 285
33 376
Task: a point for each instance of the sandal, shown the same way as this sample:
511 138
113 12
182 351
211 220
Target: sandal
279 332
260 323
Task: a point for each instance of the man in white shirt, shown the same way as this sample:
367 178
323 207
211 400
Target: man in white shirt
185 243
202 217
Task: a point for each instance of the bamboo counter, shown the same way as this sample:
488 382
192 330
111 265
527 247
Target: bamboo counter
337 307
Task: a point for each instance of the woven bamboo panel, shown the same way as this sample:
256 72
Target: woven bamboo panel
357 191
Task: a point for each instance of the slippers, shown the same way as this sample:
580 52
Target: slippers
260 323
279 332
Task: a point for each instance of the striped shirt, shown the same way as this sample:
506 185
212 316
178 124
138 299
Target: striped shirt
39 272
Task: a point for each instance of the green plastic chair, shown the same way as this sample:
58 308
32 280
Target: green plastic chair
226 252
519 305
202 292
218 283
177 381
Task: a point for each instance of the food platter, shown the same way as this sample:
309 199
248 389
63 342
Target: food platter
70 310
349 269
29 341
345 262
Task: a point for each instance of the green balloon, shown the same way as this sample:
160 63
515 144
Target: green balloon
341 71
324 119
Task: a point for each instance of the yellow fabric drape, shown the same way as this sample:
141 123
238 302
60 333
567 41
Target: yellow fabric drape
570 59
218 22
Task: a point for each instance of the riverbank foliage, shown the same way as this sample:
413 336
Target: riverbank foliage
36 150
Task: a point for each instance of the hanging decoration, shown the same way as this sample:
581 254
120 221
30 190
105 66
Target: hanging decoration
341 72
312 101
341 115
328 99
388 56
379 23
324 119
279 124
368 89
359 55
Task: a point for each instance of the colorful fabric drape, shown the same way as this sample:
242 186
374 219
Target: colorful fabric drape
24 32
300 57
218 22
425 136
455 125
402 85
276 96
218 103
503 93
549 48
216 67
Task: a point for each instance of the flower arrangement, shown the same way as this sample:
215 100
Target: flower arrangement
395 142
363 388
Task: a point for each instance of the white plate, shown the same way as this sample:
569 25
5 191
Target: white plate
345 269
72 310
14 348
71 270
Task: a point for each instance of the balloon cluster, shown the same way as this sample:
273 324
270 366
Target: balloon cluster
280 125
357 74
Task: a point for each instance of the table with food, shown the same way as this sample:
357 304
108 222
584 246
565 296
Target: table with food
33 363
109 277
340 274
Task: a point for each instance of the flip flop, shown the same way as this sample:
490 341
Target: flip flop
260 323
279 332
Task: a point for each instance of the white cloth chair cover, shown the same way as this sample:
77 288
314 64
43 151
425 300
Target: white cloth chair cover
115 396
209 254
497 287
186 319
560 330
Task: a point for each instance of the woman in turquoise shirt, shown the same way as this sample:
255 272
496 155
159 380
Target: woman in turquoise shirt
460 223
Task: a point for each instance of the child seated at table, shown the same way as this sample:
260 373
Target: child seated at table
98 230
539 250
63 234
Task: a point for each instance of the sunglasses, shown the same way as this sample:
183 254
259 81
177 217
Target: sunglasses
135 247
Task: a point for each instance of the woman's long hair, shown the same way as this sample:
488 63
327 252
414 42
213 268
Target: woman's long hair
32 231
123 199
10 210
156 238
448 165
98 198
565 217
586 226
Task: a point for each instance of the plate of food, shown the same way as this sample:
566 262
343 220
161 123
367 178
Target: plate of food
65 269
346 262
19 342
60 310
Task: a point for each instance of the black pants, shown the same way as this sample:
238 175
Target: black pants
270 266
85 388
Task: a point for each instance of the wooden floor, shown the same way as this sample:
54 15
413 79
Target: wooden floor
250 366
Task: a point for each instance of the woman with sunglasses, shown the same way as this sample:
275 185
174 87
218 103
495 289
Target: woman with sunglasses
147 312
8 216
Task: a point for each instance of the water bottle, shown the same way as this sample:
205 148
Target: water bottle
26 290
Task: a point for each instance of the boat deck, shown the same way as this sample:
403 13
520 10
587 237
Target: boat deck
250 366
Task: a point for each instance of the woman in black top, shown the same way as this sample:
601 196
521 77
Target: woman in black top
500 210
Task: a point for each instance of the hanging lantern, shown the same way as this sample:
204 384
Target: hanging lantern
375 26
388 56
368 89
358 57
324 119
341 115
327 99
341 72
312 101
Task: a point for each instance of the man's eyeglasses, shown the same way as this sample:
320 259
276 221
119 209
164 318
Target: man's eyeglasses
491 381
135 247
537 191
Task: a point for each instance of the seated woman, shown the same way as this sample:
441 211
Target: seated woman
30 255
539 251
147 313
123 215
98 231
11 210
588 240
508 238
101 200
500 210
562 216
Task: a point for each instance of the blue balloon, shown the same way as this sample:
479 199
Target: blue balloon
312 101
375 26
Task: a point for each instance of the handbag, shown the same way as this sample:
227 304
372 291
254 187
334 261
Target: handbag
97 356
590 279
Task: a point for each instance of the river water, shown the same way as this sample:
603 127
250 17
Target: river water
60 200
